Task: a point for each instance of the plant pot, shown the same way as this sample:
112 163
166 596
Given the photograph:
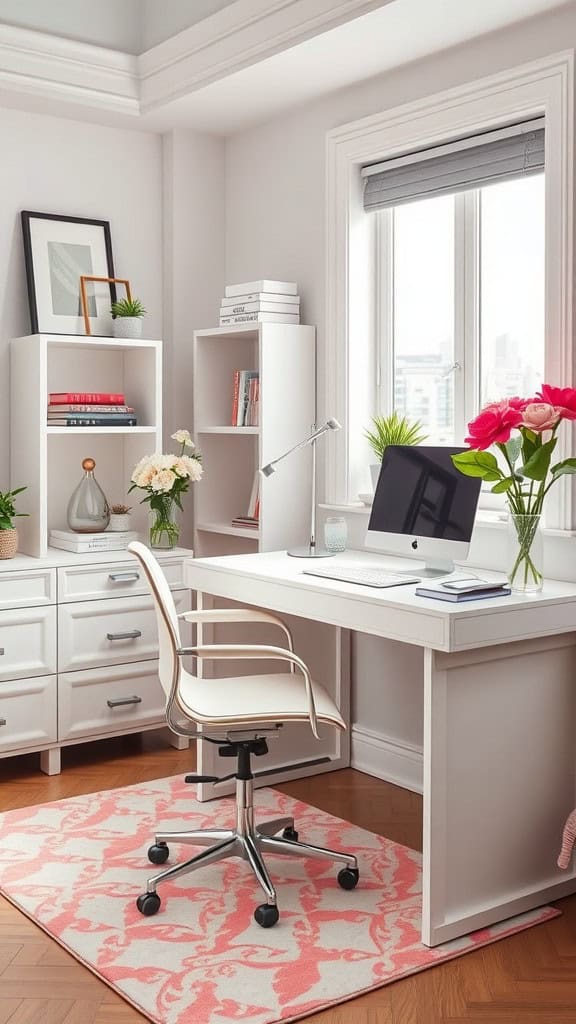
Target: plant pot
119 522
375 473
127 327
8 543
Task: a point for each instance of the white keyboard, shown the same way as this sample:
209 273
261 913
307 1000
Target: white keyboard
369 576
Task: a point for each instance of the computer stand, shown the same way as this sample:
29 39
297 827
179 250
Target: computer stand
432 569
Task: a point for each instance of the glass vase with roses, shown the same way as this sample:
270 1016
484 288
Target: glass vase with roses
165 478
524 431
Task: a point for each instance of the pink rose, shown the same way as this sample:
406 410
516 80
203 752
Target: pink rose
564 399
540 416
494 424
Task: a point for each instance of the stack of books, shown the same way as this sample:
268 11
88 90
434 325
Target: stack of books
89 409
252 517
245 398
82 543
463 590
262 302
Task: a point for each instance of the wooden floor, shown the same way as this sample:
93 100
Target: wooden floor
527 979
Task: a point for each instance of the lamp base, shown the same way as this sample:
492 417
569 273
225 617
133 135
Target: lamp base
308 552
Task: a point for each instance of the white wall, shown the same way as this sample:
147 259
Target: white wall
193 219
164 18
112 23
276 228
54 165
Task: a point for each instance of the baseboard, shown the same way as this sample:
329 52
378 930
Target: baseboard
386 758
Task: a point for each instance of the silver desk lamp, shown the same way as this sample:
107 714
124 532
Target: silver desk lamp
312 550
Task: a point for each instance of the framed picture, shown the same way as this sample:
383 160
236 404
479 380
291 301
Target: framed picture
58 250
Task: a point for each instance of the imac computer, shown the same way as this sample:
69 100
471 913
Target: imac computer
423 507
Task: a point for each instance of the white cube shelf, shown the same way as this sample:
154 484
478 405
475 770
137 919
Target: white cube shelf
47 459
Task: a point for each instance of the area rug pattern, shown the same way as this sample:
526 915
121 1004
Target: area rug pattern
76 866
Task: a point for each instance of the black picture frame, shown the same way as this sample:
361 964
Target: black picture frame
57 249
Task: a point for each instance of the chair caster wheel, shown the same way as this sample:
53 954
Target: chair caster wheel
148 903
348 878
158 853
291 834
266 915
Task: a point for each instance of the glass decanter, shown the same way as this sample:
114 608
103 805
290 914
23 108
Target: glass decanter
88 510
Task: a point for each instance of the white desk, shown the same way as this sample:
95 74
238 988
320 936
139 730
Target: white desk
499 724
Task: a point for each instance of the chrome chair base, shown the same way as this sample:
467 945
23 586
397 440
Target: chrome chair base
248 842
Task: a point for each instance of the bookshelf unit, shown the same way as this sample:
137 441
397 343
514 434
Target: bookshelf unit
284 355
47 459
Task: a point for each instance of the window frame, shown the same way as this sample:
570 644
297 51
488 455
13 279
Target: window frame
542 88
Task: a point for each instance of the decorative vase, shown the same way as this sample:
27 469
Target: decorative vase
164 526
119 522
88 510
8 543
525 554
127 327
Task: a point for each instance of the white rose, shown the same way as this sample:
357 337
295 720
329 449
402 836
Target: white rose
195 470
139 468
145 477
180 467
163 481
183 437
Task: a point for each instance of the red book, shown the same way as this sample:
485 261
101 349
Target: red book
86 398
235 396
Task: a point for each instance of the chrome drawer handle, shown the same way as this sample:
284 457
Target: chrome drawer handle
2 651
3 721
124 577
119 702
131 634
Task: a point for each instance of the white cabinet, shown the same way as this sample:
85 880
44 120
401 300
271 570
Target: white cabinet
78 650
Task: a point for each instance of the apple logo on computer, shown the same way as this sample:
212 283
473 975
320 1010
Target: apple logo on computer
415 544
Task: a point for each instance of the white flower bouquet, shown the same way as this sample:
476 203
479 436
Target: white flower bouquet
165 478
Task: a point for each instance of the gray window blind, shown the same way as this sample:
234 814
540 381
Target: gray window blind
457 166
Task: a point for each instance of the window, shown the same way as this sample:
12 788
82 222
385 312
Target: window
460 303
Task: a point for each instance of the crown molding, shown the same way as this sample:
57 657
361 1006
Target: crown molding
243 33
55 68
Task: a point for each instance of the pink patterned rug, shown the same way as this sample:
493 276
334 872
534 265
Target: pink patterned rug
75 867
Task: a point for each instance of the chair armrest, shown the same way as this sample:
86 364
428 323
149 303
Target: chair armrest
218 651
221 615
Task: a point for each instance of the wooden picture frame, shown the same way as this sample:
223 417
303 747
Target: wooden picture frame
58 249
84 297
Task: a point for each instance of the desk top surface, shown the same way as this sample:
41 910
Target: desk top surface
275 580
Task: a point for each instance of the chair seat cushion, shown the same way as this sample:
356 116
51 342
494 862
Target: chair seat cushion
274 697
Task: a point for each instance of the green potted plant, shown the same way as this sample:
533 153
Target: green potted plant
119 518
393 429
127 315
8 532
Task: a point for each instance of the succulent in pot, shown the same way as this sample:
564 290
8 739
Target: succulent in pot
127 322
393 429
119 517
8 532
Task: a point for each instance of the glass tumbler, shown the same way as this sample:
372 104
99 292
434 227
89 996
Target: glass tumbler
335 533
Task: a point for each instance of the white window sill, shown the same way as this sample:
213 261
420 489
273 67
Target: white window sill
485 519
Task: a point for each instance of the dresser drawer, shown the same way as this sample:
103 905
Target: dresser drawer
28 715
27 642
107 700
27 588
114 579
93 634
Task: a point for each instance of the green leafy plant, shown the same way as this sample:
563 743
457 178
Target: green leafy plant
128 307
393 429
8 508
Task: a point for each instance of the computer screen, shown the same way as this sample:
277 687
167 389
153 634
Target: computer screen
423 506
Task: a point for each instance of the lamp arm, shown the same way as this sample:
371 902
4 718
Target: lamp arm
330 425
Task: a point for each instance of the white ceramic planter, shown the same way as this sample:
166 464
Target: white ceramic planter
127 327
119 522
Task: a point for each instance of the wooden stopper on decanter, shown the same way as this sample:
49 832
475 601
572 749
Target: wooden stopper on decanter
88 465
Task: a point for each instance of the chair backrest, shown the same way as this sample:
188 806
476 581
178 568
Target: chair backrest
166 617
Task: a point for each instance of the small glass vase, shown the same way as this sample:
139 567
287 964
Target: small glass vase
88 510
525 554
164 525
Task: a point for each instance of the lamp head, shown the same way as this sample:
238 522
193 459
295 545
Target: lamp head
333 424
267 470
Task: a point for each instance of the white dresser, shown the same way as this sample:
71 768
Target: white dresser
78 650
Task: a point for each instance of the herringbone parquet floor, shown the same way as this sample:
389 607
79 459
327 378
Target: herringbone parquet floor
526 979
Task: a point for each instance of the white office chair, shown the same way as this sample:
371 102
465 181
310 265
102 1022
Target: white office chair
242 710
